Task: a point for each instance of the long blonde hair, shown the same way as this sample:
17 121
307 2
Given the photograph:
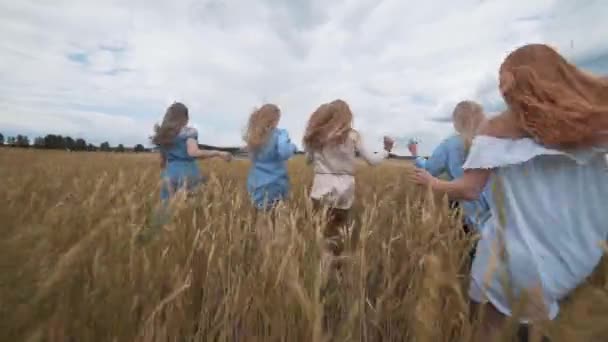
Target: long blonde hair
261 123
467 116
176 117
550 99
329 125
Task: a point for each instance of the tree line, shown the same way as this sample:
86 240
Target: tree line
59 142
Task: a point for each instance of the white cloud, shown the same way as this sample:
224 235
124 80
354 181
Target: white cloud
398 63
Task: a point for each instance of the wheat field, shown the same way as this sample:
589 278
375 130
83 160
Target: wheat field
84 259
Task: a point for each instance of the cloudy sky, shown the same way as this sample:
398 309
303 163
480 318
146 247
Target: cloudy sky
106 70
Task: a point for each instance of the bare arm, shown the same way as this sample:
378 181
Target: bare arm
503 126
468 187
163 161
195 152
368 156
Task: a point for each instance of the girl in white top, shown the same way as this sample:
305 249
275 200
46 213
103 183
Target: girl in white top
331 145
545 156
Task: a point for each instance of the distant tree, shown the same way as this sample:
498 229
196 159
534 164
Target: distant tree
52 141
80 144
91 148
105 146
22 141
11 141
39 142
69 143
48 141
1 139
139 148
120 148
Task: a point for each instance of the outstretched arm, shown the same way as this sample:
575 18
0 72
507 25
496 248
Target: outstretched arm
195 152
468 187
368 156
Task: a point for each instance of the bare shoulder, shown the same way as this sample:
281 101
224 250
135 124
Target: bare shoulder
483 127
504 125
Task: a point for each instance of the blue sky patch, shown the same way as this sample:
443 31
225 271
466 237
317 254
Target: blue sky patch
597 64
112 48
79 57
117 71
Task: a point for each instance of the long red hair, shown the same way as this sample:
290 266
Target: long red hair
550 100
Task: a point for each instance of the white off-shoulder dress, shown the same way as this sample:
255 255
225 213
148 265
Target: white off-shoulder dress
550 208
334 166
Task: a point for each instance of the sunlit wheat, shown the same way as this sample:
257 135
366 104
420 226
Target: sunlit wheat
85 257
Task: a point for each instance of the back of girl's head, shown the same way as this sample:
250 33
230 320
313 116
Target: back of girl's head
467 117
176 117
551 99
329 125
262 122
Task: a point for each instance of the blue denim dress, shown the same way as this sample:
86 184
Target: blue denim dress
268 181
181 171
449 157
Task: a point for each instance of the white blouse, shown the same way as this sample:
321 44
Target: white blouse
548 215
334 166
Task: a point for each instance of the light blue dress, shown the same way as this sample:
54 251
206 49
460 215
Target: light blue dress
448 157
548 214
181 171
268 181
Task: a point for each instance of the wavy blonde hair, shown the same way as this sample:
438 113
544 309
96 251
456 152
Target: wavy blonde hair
467 117
261 123
176 117
550 99
329 125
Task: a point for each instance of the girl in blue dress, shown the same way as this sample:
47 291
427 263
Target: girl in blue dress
179 150
449 157
269 148
545 156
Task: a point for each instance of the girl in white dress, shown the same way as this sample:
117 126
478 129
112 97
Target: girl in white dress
331 145
545 155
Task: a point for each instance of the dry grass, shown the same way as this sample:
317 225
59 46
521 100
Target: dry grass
75 266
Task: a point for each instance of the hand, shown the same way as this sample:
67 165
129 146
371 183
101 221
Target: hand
422 177
413 148
227 157
389 143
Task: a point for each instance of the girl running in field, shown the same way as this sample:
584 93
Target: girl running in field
178 145
545 155
449 156
269 148
331 145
